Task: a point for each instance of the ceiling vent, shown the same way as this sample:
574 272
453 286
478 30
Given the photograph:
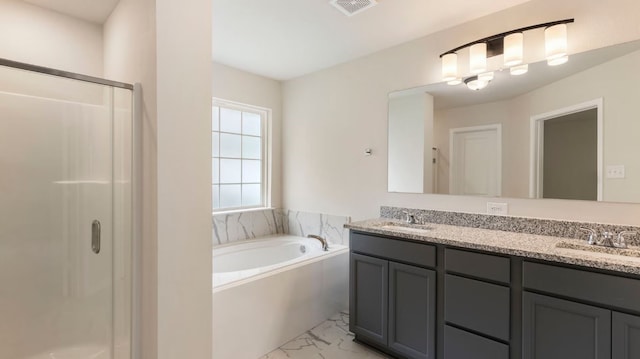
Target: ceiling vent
352 7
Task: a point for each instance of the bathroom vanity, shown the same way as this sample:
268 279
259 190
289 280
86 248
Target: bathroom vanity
452 292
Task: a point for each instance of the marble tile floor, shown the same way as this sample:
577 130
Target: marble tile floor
328 340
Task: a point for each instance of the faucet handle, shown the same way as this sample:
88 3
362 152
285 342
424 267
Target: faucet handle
411 218
593 235
621 242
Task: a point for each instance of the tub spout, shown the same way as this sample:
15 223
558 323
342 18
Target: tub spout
325 246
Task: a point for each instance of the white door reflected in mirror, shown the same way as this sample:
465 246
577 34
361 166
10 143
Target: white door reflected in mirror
476 157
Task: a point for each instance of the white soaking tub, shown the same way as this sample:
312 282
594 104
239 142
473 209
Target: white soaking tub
268 291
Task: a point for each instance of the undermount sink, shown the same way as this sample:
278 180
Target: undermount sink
405 226
628 252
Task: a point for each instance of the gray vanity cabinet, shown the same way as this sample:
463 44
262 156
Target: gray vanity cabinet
407 297
412 310
477 305
369 293
586 322
560 329
393 304
626 336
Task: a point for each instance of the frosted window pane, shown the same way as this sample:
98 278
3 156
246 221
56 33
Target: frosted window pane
230 171
251 124
215 118
230 120
216 196
251 147
230 145
215 171
251 171
215 144
230 196
251 195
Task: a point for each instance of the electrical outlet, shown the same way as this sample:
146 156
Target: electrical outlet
497 208
615 171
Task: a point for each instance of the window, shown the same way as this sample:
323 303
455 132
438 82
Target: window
239 156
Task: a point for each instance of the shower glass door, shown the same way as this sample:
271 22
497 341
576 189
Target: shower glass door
64 217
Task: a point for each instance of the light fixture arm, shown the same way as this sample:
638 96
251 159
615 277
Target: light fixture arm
500 37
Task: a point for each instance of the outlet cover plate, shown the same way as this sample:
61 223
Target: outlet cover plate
497 208
615 171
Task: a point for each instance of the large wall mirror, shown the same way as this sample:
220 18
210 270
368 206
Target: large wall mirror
564 132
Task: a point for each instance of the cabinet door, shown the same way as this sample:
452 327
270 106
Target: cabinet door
626 336
412 310
561 329
459 344
368 298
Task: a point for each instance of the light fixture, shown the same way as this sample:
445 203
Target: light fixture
510 44
478 58
558 61
475 83
450 67
555 41
486 77
513 49
519 70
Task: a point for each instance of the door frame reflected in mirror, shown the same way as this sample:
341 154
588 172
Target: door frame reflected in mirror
536 185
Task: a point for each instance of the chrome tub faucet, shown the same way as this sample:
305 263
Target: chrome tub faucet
325 245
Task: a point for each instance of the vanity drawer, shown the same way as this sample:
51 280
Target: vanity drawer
478 306
460 344
479 265
397 250
606 289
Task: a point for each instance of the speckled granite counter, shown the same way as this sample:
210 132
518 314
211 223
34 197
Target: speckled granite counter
510 243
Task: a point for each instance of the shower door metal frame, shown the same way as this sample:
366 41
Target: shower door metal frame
136 185
66 74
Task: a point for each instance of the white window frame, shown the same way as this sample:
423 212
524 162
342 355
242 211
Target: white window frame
266 136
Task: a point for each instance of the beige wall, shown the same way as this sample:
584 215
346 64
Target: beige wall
166 46
330 117
240 86
130 56
42 37
184 178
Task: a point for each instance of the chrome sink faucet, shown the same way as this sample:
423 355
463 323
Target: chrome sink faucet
607 238
593 235
621 242
410 217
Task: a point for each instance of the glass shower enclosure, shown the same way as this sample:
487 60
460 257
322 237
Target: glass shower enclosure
66 153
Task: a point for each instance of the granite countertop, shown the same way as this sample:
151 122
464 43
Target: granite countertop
503 242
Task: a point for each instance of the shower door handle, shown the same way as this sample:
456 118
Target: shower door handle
95 236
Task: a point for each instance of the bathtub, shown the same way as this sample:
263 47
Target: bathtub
268 291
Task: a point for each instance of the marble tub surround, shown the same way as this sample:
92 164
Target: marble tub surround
525 245
251 224
544 227
329 227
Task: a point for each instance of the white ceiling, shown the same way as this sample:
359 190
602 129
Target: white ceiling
283 39
96 11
